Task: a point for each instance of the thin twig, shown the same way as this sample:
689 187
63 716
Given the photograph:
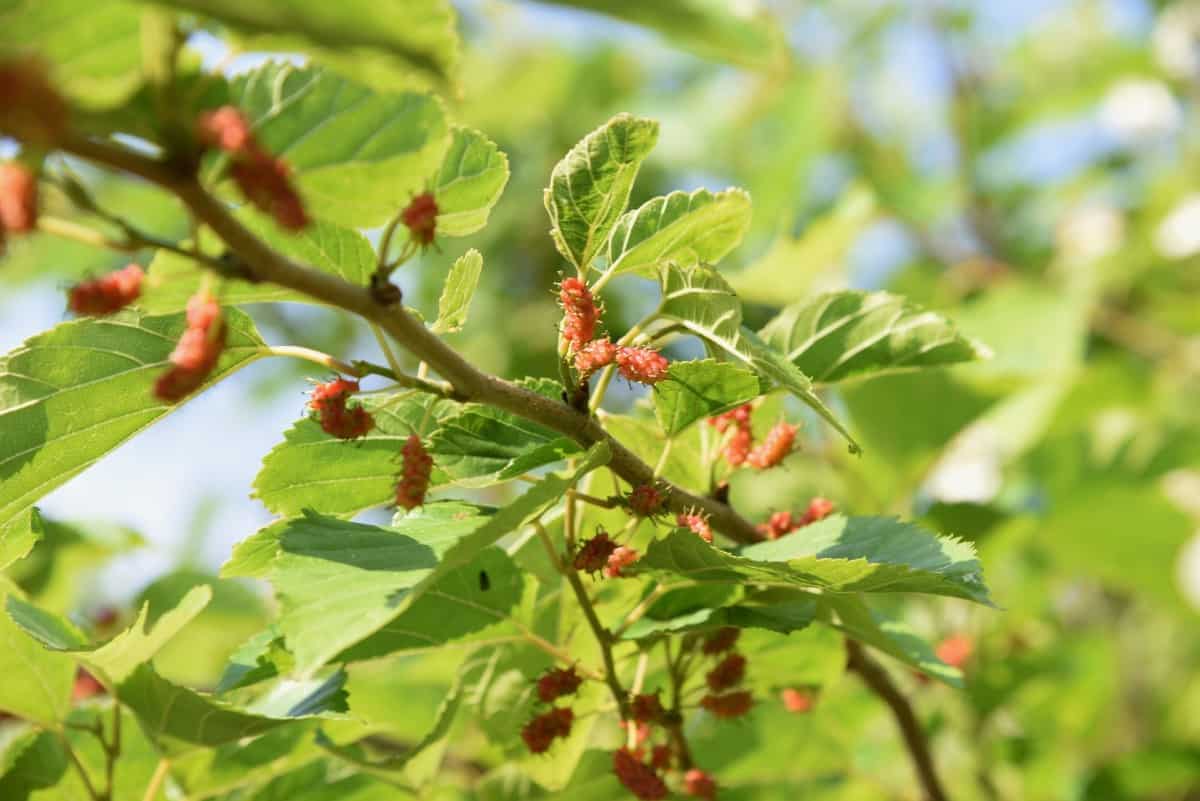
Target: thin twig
156 780
79 768
877 679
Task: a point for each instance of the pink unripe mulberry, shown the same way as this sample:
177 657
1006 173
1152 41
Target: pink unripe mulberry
416 467
18 198
735 418
593 356
622 557
643 365
106 294
737 449
696 523
197 352
580 313
818 509
797 700
329 401
955 650
699 784
774 448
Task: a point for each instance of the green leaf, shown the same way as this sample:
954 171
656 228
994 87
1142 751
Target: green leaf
779 610
167 710
482 445
458 291
51 630
836 555
473 175
357 156
466 600
313 470
711 28
37 683
839 335
339 582
700 301
172 279
94 50
72 394
388 43
893 637
680 227
19 535
589 189
697 389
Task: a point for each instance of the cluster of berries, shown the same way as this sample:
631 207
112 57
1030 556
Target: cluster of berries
721 700
581 316
541 730
197 351
601 553
640 765
18 200
265 181
108 293
338 419
739 445
781 523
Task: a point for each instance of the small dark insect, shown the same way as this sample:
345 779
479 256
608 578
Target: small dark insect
485 583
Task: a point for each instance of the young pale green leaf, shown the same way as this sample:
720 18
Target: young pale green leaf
19 535
292 698
357 156
589 189
893 637
70 395
458 291
386 42
172 279
173 713
313 470
693 390
94 50
466 600
836 555
701 302
52 631
37 682
713 30
473 175
680 227
840 335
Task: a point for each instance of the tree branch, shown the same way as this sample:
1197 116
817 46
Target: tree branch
877 679
468 382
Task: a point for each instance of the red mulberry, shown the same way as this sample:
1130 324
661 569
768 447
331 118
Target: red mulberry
108 293
774 448
729 672
661 757
639 778
594 553
720 640
556 683
778 524
594 355
540 732
797 700
955 650
729 705
699 784
416 467
420 218
30 108
646 500
328 400
646 708
696 523
622 557
818 509
18 198
580 313
196 353
643 365
739 418
737 449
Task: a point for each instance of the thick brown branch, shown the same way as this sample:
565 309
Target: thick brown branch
468 382
875 677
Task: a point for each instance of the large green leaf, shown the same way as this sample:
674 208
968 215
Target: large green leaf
697 389
37 682
458 291
589 189
701 302
680 227
837 554
711 28
313 470
19 535
838 335
330 248
471 179
357 156
94 49
72 394
482 445
339 582
386 42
